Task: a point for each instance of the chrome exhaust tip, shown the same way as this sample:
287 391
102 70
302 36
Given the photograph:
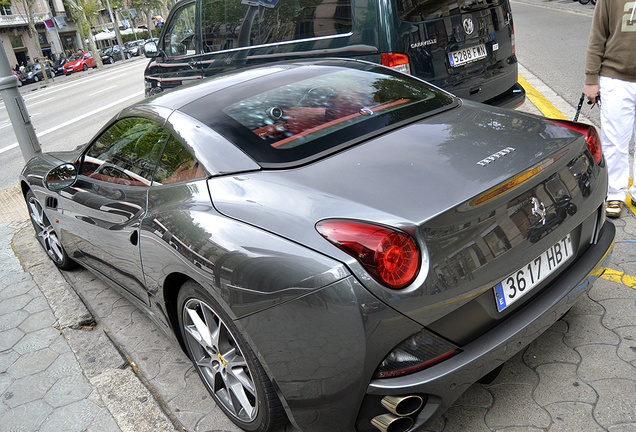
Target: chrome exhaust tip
391 423
402 405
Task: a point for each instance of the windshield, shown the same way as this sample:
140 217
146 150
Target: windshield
287 117
76 56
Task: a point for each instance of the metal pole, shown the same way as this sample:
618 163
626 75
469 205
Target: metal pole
112 19
18 114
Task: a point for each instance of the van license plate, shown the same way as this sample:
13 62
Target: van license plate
522 281
461 57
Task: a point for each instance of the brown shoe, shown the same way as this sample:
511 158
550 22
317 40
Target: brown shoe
613 209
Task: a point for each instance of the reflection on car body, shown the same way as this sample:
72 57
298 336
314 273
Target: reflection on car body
321 241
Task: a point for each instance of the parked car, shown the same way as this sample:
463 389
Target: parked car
58 66
467 48
111 54
80 61
135 47
332 241
33 73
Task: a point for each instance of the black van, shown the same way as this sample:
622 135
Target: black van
466 47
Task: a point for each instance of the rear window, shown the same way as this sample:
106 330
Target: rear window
422 10
303 113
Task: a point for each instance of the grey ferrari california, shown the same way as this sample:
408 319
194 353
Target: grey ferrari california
333 244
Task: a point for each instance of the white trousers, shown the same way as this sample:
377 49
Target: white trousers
618 125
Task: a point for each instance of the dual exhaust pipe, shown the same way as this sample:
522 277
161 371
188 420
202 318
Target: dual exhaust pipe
400 408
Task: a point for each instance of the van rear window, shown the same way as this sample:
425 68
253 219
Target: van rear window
228 24
422 10
300 114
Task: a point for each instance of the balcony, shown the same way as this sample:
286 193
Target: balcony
21 20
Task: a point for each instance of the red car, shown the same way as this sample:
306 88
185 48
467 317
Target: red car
79 61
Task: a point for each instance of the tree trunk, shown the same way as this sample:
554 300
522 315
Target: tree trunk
36 38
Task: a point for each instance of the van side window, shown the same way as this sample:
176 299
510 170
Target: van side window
230 24
179 39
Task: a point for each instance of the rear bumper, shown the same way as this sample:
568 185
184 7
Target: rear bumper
514 97
442 384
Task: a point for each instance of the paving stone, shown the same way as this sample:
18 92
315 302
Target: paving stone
32 363
17 288
627 346
587 329
604 289
37 340
25 418
586 306
65 365
94 351
28 389
103 422
600 362
558 382
10 320
38 304
68 390
572 416
461 418
72 418
549 348
523 412
9 338
628 427
38 321
515 372
615 402
7 358
619 312
476 395
5 381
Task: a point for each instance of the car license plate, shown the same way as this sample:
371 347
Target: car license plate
467 55
520 282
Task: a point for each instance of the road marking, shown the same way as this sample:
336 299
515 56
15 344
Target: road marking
102 90
620 277
73 120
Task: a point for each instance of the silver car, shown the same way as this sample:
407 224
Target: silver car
332 243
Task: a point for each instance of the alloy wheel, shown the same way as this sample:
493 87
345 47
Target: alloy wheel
220 361
45 233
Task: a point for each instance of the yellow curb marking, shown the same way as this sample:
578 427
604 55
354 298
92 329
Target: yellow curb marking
620 277
550 111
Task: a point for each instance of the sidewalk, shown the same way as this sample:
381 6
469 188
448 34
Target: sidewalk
77 356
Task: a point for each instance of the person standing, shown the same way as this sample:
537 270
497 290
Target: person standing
610 72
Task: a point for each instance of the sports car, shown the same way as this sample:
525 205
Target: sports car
333 243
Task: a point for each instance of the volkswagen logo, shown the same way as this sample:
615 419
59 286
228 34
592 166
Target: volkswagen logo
469 26
538 209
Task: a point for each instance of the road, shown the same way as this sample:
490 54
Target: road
70 112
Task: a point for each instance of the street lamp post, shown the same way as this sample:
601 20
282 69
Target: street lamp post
18 114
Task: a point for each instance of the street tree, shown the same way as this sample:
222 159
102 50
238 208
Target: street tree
28 15
83 11
148 7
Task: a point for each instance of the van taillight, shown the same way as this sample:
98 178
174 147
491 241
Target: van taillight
397 61
592 139
512 36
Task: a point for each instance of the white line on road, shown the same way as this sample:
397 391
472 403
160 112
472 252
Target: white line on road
102 90
83 116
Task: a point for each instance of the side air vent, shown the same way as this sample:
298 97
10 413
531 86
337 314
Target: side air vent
51 203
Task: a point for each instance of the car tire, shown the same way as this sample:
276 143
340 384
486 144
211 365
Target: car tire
35 78
46 235
84 67
250 401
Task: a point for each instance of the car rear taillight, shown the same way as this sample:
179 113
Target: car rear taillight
421 350
397 61
389 255
512 36
592 139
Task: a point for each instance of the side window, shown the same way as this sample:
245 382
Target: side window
179 39
177 164
126 153
229 24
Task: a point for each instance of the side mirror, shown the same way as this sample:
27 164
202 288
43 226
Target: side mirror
61 177
151 50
